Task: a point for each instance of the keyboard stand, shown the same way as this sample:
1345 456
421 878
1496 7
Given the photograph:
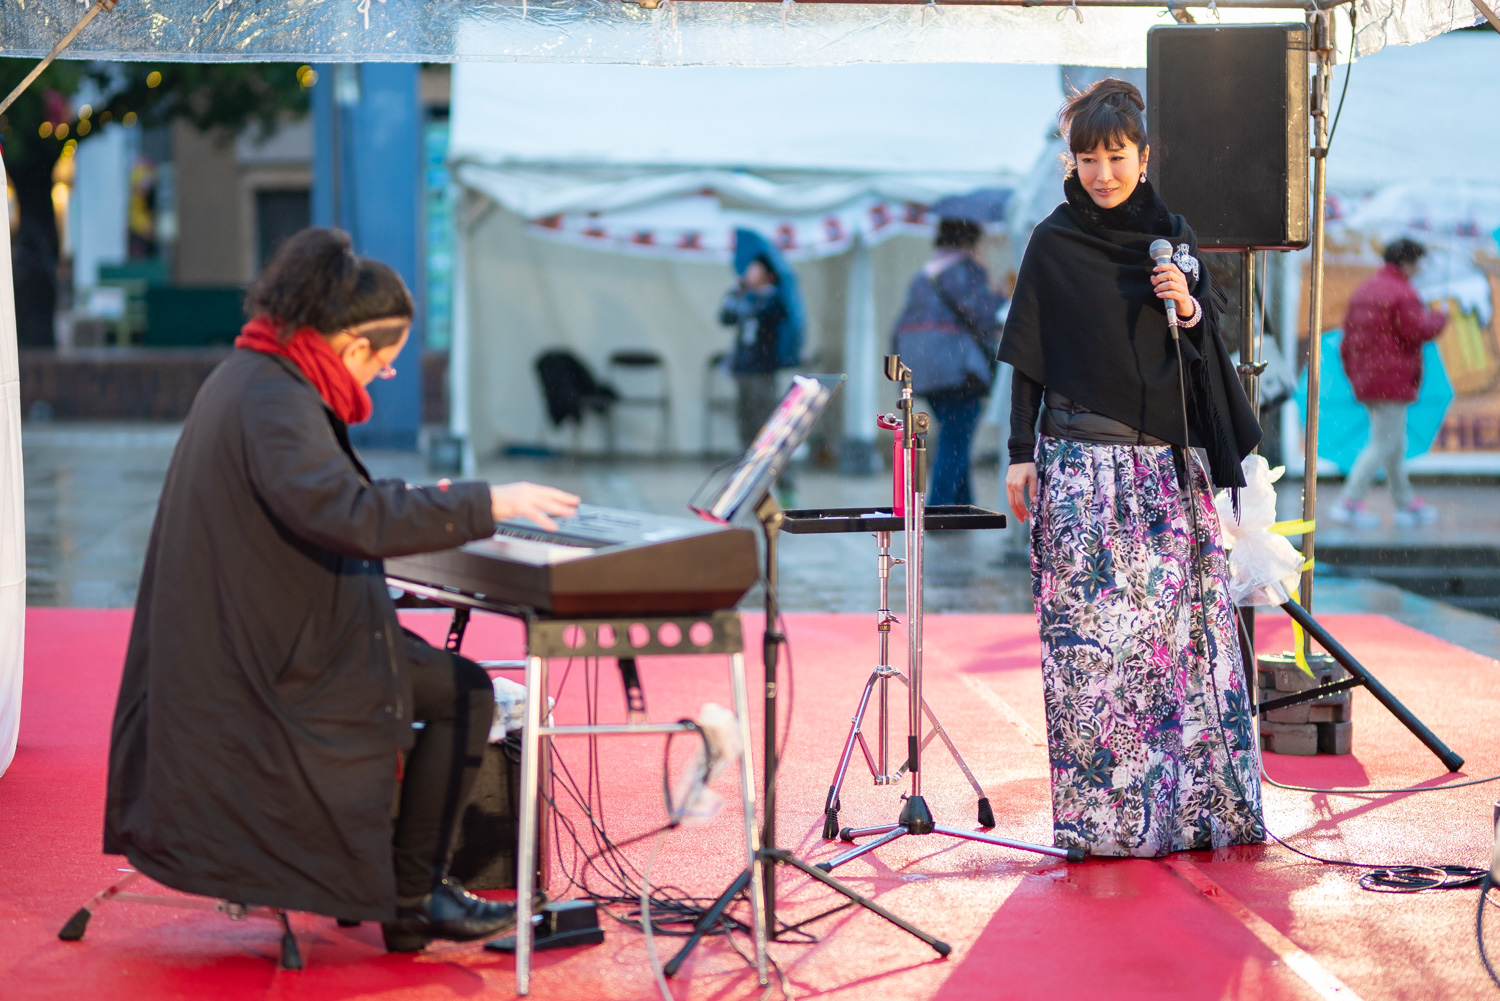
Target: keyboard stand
624 639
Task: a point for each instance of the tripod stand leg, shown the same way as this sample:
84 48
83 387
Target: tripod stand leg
706 923
817 872
864 849
986 815
831 804
1322 637
762 906
1071 854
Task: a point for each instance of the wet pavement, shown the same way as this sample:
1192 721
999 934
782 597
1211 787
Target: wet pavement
91 492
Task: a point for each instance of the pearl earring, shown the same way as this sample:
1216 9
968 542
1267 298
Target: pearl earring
1143 177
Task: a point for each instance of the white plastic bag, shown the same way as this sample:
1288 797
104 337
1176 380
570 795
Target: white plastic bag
693 801
510 709
1263 567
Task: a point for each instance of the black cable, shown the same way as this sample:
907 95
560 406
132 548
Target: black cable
1348 71
673 911
1484 957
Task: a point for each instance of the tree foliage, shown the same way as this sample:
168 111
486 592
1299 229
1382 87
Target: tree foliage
223 98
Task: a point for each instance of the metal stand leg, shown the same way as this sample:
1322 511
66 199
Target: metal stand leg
758 916
526 837
831 804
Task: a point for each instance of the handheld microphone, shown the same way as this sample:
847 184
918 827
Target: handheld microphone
1161 253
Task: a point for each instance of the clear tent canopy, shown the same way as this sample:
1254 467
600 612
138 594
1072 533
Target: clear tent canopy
670 32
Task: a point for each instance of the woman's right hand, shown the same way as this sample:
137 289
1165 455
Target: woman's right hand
532 501
1020 488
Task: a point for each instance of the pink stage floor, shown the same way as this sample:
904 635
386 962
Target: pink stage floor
1244 923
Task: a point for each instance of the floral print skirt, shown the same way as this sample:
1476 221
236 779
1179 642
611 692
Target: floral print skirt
1148 723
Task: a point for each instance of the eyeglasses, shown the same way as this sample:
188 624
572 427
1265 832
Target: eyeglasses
386 372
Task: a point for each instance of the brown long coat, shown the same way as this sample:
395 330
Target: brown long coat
253 755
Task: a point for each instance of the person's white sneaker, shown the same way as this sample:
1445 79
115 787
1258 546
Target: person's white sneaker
1416 514
1357 514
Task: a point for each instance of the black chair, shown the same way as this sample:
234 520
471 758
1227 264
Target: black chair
718 400
628 366
572 393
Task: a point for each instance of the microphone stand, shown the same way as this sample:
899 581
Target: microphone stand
771 518
915 818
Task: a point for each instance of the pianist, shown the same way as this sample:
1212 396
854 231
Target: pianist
269 693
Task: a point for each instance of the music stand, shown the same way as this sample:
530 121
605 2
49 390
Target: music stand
748 487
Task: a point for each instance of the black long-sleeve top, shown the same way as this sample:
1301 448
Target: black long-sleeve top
1025 406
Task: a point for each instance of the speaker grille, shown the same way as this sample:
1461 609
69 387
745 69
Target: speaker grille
1227 123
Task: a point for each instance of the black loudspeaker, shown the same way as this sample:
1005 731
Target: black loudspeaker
1227 120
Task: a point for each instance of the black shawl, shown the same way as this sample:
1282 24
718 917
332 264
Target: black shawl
1086 322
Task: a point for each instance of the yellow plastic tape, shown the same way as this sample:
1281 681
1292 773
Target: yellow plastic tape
1299 642
1298 527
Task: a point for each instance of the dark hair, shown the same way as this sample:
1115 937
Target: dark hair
316 280
1108 113
1404 251
960 234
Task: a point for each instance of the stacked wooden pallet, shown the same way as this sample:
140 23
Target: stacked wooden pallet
1323 726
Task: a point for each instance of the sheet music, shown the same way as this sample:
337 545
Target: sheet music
786 429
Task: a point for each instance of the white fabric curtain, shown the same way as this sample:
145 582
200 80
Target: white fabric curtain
12 510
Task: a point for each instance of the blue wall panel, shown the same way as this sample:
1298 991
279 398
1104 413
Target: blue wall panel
366 161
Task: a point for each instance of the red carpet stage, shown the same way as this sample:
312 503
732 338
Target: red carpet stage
1242 923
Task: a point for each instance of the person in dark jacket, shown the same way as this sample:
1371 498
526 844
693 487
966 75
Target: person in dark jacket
947 334
1384 330
269 691
755 308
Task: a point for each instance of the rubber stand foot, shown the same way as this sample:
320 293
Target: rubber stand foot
830 825
986 815
847 834
291 956
823 866
1077 854
942 948
76 926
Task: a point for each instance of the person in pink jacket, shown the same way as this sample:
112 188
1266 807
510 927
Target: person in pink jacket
1384 331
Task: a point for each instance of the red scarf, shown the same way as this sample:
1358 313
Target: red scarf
323 368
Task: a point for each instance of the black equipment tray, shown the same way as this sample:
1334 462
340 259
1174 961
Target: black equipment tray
940 518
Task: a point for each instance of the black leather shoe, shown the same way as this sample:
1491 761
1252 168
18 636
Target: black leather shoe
448 912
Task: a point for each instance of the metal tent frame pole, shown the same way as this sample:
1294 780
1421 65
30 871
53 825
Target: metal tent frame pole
1321 25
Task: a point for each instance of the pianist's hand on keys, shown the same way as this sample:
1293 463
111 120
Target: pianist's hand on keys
532 501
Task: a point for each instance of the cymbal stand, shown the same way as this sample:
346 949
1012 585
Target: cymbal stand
879 685
915 817
772 520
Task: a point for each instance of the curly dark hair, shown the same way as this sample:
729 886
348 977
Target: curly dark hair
960 234
1404 251
317 280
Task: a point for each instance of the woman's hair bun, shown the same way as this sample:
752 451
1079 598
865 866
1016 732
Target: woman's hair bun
1116 93
1108 113
316 280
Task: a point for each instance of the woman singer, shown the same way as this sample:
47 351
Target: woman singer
1148 723
268 686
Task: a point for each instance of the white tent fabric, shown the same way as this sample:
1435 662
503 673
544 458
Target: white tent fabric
1427 111
12 513
587 160
673 34
831 162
